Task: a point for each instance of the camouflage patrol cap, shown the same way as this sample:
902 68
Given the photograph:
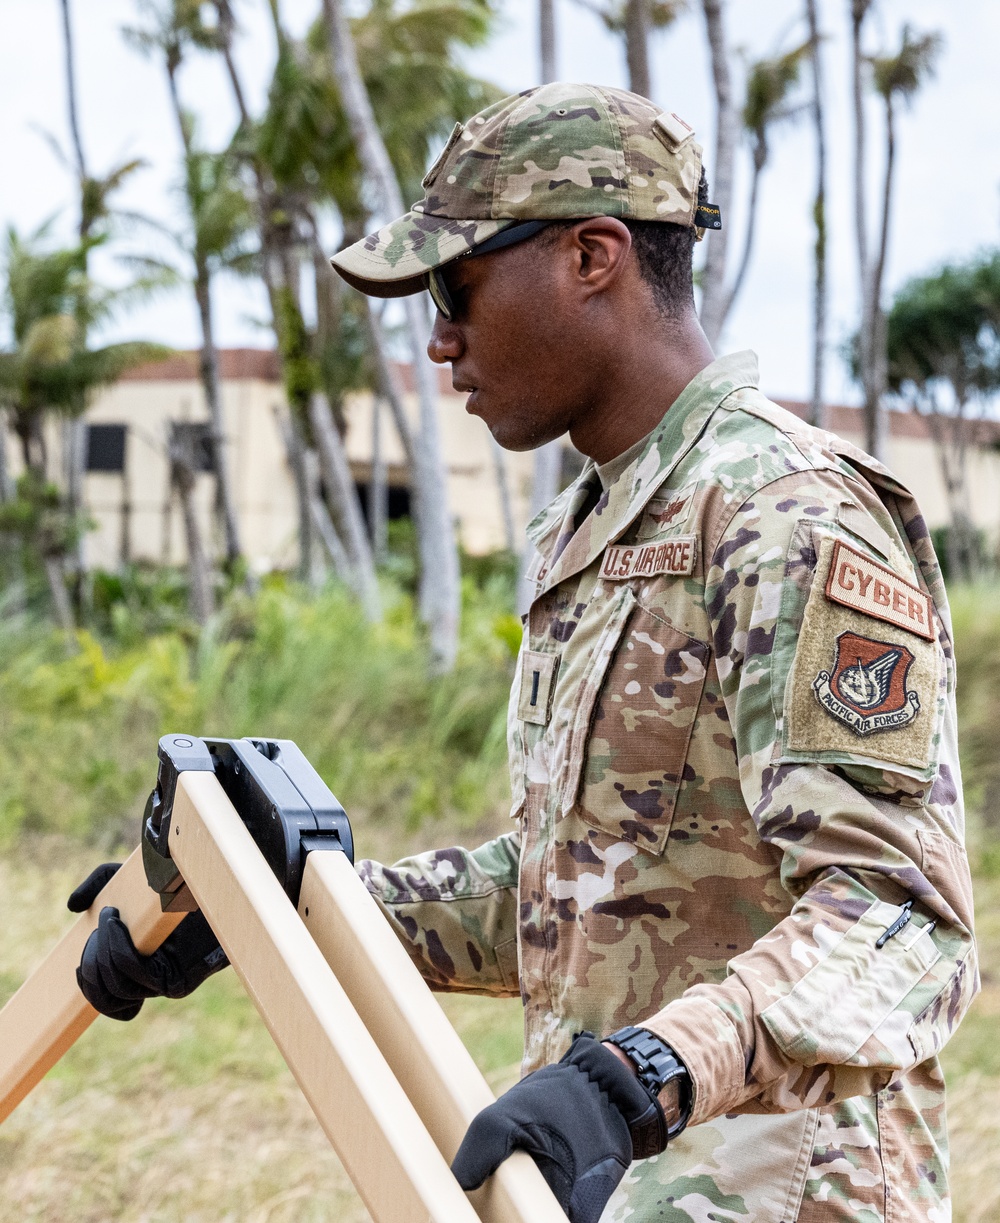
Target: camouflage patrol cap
556 152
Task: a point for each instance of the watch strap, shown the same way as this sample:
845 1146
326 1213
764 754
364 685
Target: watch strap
656 1066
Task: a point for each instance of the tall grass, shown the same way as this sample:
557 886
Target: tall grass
79 731
976 620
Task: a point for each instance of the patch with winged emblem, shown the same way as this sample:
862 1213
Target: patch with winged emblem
866 690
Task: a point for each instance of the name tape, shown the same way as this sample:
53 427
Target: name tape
860 583
673 556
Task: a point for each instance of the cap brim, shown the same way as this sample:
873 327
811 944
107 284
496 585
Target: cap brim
395 261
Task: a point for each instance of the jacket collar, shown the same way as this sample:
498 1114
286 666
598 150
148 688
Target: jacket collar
567 552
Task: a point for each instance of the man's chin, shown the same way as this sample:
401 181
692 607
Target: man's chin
510 431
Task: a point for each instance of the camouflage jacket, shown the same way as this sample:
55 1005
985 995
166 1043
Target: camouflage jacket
734 765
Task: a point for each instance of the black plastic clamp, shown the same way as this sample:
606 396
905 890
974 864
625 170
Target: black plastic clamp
286 806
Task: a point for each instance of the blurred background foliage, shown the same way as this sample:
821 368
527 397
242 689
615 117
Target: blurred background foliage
392 740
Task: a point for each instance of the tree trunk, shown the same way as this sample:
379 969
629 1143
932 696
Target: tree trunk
544 488
295 449
11 546
346 510
74 461
732 291
56 577
388 384
713 282
817 405
72 435
439 595
7 491
871 334
125 545
503 492
74 125
182 477
637 23
329 538
547 39
878 361
378 489
209 369
208 364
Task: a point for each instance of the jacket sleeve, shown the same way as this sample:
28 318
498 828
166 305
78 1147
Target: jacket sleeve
864 812
455 912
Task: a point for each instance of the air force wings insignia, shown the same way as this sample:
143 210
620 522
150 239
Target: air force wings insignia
866 689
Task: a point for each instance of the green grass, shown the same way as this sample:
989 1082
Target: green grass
391 740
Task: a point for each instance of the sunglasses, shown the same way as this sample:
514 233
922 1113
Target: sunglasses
436 286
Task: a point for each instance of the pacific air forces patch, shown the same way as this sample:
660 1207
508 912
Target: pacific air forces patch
866 682
867 689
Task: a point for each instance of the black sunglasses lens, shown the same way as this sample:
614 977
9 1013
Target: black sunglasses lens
440 295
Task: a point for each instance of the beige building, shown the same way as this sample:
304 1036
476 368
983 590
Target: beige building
127 489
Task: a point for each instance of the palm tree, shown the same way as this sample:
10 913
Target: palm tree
292 134
96 215
51 304
943 358
769 83
713 272
894 77
219 219
547 40
817 407
432 28
635 20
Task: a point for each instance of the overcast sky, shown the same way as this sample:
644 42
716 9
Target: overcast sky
947 201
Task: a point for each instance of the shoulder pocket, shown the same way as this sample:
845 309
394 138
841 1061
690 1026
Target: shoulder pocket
632 726
860 680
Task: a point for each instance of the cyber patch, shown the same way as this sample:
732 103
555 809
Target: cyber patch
847 689
856 581
866 689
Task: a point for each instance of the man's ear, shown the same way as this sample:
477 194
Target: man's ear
600 246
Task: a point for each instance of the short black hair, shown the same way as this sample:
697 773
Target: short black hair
665 252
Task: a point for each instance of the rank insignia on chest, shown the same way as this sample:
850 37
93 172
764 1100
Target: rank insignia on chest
669 556
866 690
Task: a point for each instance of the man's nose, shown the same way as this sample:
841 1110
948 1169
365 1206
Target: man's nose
445 343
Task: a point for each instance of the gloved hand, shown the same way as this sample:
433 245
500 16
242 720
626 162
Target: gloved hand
116 979
573 1119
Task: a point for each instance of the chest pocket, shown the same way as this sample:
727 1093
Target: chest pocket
632 726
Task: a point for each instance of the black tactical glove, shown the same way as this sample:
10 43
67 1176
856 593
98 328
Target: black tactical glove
573 1119
116 979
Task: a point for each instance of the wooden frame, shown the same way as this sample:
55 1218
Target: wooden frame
386 1074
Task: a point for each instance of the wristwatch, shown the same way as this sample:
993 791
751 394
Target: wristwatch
656 1065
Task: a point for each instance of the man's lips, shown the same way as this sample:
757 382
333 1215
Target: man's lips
466 388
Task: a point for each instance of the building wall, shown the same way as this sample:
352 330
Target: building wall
136 516
138 511
913 457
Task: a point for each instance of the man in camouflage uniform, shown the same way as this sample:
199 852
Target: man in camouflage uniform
738 815
732 739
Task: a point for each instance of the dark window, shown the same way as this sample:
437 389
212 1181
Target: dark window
399 500
194 438
106 448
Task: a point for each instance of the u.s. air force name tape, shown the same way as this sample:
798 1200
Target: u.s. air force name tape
673 556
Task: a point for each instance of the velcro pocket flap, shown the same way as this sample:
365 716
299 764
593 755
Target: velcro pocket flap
832 1011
